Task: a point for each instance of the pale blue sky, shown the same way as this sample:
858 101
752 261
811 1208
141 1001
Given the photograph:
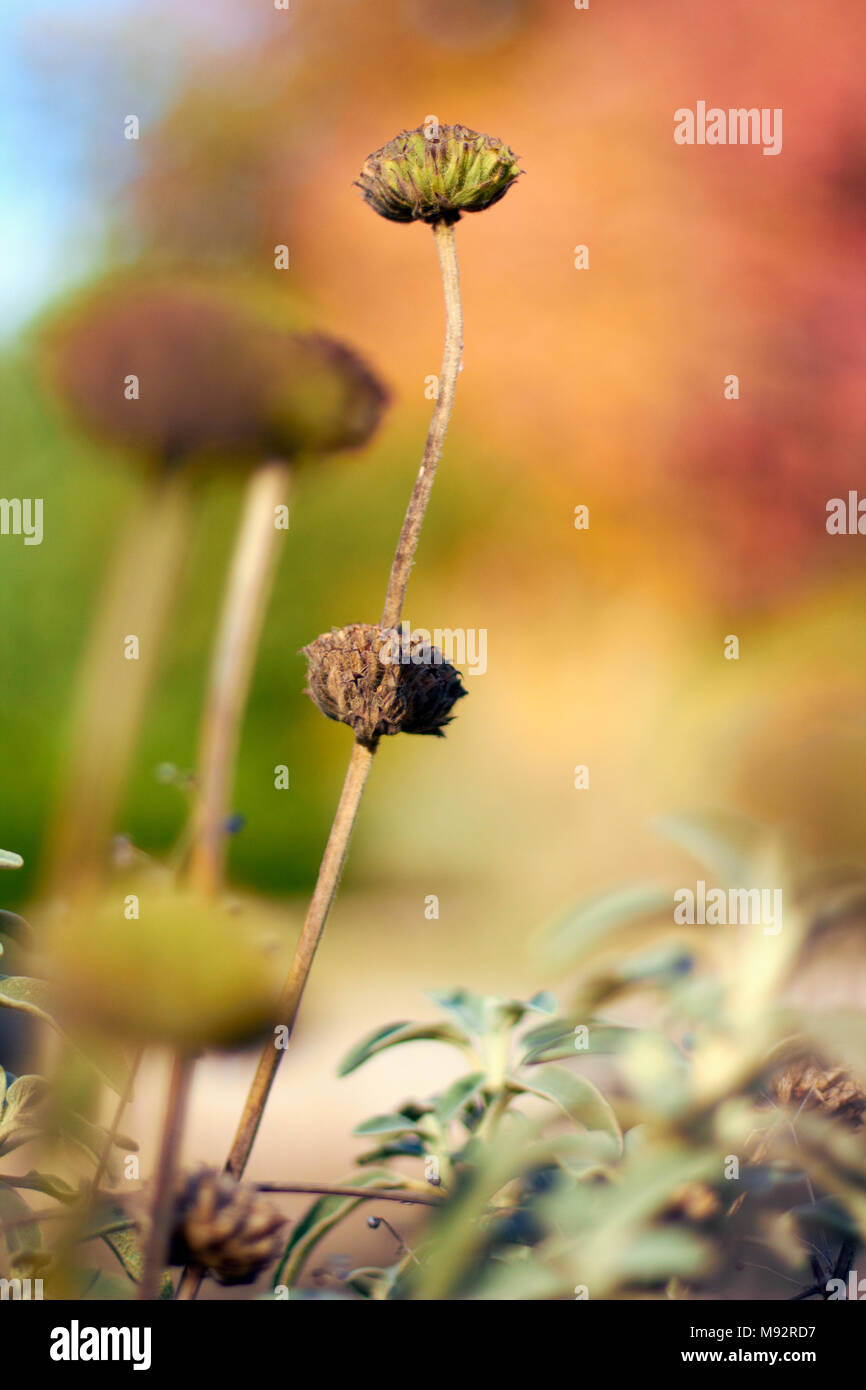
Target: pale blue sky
69 71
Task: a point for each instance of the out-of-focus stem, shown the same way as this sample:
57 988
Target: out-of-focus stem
246 599
161 1211
117 674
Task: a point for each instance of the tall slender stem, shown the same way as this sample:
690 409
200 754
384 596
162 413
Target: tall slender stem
117 677
446 246
246 599
361 759
161 1210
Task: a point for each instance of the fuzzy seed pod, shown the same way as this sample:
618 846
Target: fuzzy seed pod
360 676
224 1227
830 1090
421 177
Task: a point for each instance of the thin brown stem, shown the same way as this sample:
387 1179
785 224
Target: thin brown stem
161 1203
293 990
361 759
446 245
247 592
367 1194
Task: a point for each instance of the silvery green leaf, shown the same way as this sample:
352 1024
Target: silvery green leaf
394 1035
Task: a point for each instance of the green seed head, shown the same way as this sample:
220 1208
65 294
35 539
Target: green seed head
436 173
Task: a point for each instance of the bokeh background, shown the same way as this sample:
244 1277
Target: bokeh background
601 387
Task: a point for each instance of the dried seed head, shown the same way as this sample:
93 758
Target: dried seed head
437 176
225 1227
176 369
366 677
165 368
321 397
831 1090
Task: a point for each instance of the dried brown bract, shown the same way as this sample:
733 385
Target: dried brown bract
225 1227
363 676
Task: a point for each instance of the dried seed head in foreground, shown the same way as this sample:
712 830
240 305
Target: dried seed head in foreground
365 677
224 1227
418 177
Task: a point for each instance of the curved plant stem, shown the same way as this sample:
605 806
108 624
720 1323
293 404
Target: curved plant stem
246 599
123 1101
359 764
361 759
111 700
366 1194
293 990
446 245
161 1204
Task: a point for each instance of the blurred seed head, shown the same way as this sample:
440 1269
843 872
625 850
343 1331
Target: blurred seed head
351 679
184 972
436 177
322 398
211 377
224 1227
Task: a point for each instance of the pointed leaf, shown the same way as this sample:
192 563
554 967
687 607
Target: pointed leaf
551 1042
45 1183
385 1124
451 1102
394 1035
31 996
582 1102
723 843
469 1009
598 921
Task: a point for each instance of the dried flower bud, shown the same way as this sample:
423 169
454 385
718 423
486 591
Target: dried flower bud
364 676
224 1227
831 1090
437 177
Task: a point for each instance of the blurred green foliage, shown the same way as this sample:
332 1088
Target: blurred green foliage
345 516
